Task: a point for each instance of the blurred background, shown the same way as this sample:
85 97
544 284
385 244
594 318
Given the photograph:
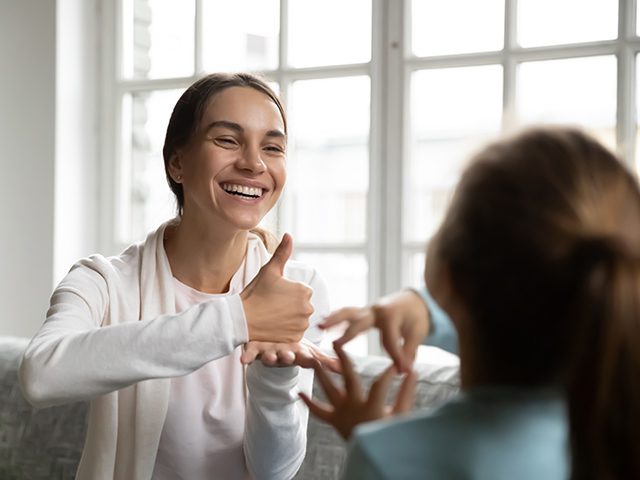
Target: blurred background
387 99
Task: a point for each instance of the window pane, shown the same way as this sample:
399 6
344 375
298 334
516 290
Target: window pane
158 38
578 91
240 35
346 279
146 198
453 110
331 32
456 26
328 160
550 22
414 269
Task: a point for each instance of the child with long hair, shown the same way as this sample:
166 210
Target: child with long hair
537 263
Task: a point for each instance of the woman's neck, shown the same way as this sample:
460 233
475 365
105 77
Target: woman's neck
203 257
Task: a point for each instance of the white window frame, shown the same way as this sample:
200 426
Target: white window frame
390 70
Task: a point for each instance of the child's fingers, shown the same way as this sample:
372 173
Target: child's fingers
379 388
409 350
320 410
327 361
334 395
406 394
339 316
352 331
391 342
351 379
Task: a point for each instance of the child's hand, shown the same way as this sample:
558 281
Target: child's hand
403 321
304 354
350 407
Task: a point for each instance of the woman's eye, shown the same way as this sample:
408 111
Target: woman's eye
226 142
274 149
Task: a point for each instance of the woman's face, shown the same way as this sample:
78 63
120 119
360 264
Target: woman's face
233 170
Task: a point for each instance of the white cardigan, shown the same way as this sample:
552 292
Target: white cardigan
112 336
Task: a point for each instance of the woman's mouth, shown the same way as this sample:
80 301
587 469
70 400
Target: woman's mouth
242 190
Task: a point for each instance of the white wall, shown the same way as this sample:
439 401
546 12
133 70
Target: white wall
44 142
27 150
76 186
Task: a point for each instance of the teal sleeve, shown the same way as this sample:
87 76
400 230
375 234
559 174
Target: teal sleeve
442 333
358 465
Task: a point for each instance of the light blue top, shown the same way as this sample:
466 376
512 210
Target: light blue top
442 333
485 434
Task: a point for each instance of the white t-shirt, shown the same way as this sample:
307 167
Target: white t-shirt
202 436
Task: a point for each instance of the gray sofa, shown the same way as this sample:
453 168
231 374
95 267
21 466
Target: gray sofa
46 443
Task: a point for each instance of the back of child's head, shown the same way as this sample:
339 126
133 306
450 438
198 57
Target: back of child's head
542 244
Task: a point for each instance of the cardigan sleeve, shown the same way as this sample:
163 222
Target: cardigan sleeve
275 414
442 332
76 355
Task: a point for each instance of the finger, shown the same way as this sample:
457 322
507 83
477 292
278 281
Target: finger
306 361
391 342
351 379
332 363
269 358
249 354
327 361
350 333
320 410
286 357
281 255
339 316
380 387
406 394
409 350
334 395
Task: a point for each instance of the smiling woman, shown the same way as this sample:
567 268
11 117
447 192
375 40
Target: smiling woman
176 336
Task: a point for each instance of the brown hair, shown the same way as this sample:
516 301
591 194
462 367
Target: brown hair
187 115
542 242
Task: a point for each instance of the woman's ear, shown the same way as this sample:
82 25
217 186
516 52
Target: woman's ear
175 167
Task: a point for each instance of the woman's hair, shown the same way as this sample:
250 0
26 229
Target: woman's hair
187 116
542 243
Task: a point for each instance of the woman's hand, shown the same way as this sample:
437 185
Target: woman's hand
349 406
304 354
403 321
277 309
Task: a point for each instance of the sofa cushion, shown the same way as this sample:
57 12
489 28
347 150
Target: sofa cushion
35 443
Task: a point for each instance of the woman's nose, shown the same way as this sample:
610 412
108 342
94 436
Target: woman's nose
251 160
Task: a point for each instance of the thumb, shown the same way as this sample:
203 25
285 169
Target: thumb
281 255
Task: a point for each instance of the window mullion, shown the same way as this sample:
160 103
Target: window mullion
626 91
377 146
395 152
198 40
109 122
509 65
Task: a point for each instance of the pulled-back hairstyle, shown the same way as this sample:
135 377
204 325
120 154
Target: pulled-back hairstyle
187 115
542 242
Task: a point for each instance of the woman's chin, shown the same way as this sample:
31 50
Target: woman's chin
245 223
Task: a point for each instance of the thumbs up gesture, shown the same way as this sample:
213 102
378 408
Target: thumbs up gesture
277 309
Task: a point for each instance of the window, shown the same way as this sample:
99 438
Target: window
387 100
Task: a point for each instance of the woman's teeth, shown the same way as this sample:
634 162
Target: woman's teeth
242 190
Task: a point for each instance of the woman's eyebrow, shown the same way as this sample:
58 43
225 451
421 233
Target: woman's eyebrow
276 133
225 124
238 128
